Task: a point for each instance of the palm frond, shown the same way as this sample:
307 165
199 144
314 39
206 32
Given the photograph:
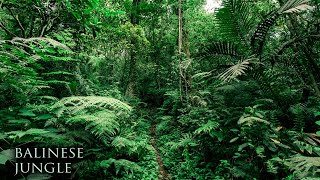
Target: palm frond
295 6
236 70
259 36
235 21
220 48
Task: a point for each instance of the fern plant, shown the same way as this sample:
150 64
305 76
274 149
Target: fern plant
98 114
128 166
303 166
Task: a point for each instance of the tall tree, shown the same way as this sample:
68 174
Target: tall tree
133 51
183 50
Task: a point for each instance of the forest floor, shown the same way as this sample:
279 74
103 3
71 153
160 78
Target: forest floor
163 173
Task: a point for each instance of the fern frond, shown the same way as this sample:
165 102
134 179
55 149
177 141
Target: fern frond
250 120
50 98
98 114
128 146
185 141
304 166
100 123
32 131
60 140
120 142
78 104
51 42
207 128
119 164
298 111
39 176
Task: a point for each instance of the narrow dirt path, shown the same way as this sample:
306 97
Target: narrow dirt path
163 173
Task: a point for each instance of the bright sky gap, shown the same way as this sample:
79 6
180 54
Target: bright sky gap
212 5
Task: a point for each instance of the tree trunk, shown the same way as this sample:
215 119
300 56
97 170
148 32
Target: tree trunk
183 50
133 52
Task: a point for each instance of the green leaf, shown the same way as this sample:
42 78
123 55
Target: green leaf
233 140
207 128
26 112
44 117
316 113
7 155
19 121
309 149
234 130
217 134
3 159
28 132
37 176
242 146
77 15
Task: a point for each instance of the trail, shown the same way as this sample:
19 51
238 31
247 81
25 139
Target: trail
163 173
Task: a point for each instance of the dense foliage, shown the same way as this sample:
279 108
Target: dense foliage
163 89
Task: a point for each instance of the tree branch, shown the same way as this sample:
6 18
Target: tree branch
18 21
6 30
31 27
